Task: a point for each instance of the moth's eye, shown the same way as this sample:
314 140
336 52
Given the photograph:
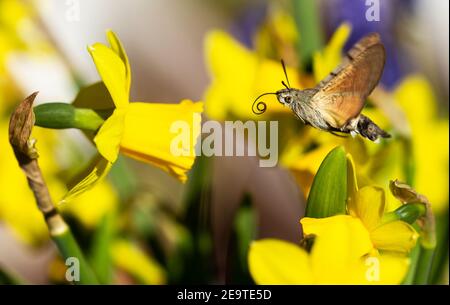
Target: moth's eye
288 99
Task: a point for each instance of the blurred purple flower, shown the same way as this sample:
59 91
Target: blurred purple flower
246 25
354 12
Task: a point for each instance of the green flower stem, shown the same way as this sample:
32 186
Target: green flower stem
100 256
62 116
427 250
441 252
423 267
59 230
68 247
20 128
414 258
308 26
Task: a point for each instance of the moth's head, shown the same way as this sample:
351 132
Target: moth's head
285 96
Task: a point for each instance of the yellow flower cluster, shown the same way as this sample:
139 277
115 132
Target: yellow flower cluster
358 248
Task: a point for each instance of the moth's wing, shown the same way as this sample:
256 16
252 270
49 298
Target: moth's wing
362 45
342 94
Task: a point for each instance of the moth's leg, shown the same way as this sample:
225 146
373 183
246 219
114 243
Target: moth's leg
338 135
337 131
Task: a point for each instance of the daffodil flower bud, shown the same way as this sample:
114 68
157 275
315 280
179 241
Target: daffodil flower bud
409 213
61 116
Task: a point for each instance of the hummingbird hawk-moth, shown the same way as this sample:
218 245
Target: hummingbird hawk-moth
335 104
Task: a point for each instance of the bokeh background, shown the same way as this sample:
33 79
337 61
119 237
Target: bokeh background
163 231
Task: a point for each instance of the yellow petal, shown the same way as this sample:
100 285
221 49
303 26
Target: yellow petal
110 134
112 70
393 269
95 172
273 261
140 265
309 161
394 236
347 230
431 154
340 243
117 47
148 136
324 62
385 269
416 88
369 206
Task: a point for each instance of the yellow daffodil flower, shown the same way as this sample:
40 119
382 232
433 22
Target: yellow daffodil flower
133 260
232 90
368 205
139 130
359 248
304 162
429 136
341 254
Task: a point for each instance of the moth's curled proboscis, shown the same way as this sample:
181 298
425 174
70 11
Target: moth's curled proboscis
259 107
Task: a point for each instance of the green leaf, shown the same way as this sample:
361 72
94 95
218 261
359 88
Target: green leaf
95 96
123 179
244 234
69 248
100 257
307 19
328 193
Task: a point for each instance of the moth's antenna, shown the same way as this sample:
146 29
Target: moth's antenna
285 74
260 106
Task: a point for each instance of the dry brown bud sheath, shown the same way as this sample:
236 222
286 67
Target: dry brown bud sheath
20 127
